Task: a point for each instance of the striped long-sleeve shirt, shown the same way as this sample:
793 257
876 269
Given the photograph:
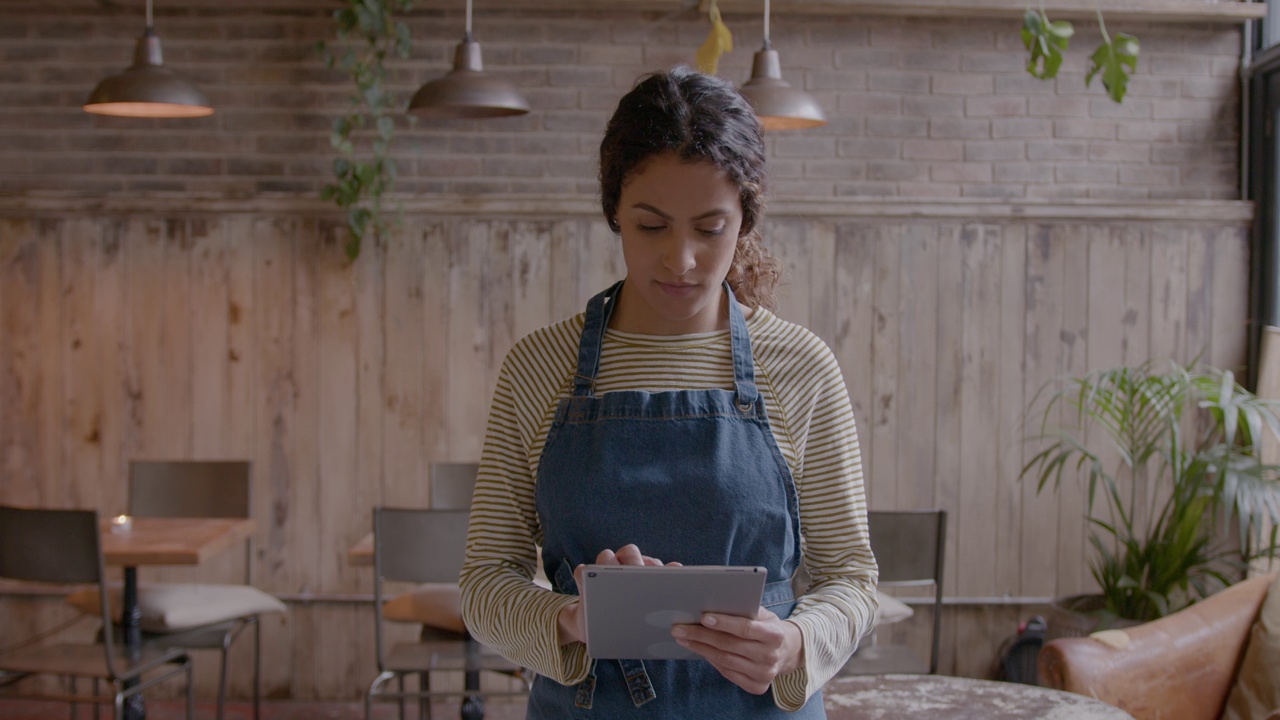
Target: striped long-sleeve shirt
812 422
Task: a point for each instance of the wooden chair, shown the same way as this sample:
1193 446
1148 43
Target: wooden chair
64 546
909 546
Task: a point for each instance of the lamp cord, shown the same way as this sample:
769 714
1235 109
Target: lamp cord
149 15
766 21
468 20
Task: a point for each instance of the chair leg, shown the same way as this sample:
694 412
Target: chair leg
191 690
424 699
400 684
257 667
222 676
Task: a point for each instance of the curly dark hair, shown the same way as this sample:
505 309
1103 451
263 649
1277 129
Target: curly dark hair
697 117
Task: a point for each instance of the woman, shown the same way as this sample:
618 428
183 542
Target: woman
677 420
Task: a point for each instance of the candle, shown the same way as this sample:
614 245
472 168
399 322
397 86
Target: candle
121 524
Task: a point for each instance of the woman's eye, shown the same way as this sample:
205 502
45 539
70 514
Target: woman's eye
650 228
711 232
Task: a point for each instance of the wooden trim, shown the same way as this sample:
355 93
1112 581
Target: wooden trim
532 206
1180 11
1153 10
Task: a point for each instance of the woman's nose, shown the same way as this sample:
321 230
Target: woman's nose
678 255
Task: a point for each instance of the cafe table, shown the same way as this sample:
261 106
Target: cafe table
161 541
941 697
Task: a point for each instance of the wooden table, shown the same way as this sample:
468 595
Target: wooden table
162 541
362 552
939 697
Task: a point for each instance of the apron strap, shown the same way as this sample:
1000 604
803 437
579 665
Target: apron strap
596 320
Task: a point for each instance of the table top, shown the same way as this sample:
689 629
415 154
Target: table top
172 541
940 697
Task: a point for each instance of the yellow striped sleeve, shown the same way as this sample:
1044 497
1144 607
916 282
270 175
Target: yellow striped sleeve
811 418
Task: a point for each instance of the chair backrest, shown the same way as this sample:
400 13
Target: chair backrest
190 488
452 484
193 488
910 546
417 545
57 546
53 546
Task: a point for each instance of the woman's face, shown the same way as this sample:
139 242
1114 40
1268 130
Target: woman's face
679 223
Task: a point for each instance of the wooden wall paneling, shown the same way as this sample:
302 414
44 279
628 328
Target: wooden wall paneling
342 502
948 363
30 394
438 335
532 277
1200 261
415 334
1168 292
1046 259
788 241
601 264
1077 289
854 294
211 412
980 631
917 383
468 392
1107 330
821 248
89 433
564 258
1011 391
305 489
497 292
1138 281
369 277
973 532
886 350
948 369
1231 300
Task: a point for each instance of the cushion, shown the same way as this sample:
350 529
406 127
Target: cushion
1256 692
433 604
891 610
167 607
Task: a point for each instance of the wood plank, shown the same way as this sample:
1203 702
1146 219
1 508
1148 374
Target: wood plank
468 350
1200 300
305 490
1168 293
917 384
948 362
172 541
410 334
789 243
855 321
1137 295
532 278
1013 292
886 343
438 336
977 482
369 276
821 249
337 345
1077 291
1045 265
1230 301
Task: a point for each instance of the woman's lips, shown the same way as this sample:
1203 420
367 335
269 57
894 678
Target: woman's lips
677 289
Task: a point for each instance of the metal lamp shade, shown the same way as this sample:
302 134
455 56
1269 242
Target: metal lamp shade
467 91
148 89
778 105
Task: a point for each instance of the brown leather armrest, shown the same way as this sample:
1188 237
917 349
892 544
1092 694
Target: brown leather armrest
1178 667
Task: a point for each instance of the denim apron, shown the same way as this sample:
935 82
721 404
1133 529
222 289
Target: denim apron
693 476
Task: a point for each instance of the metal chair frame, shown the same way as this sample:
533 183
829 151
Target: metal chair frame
427 546
202 488
64 547
910 547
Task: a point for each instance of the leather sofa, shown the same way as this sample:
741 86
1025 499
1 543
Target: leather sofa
1179 667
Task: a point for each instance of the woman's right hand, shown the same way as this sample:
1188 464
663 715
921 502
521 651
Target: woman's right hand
571 620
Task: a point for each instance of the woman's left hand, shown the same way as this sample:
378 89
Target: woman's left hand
750 653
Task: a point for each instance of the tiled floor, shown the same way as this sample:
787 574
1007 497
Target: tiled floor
496 709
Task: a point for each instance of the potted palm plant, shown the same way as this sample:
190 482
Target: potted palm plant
1169 458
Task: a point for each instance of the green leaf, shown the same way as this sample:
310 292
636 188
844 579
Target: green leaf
1046 42
1114 61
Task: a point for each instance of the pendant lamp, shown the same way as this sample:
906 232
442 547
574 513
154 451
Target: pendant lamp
148 88
467 91
778 105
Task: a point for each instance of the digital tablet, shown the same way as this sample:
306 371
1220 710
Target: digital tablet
630 609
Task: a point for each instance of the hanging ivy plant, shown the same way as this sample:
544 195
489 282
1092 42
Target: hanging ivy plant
366 36
1113 61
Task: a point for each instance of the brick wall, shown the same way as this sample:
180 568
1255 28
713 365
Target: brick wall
919 107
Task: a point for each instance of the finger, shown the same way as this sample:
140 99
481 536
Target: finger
739 670
607 557
652 561
675 564
630 555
